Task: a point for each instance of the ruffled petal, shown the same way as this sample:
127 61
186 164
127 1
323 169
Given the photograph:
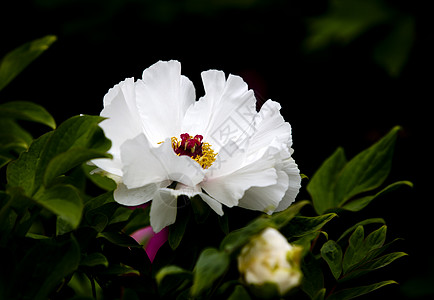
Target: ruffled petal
163 97
225 113
144 164
122 122
266 199
294 179
270 129
136 196
229 188
163 209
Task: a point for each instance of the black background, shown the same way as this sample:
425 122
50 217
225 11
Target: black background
335 97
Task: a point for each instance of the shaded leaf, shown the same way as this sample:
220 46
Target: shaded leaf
94 259
29 111
392 52
210 265
238 238
177 230
22 172
119 239
331 252
300 225
367 170
354 292
67 160
373 265
322 183
239 293
355 243
98 178
361 223
337 181
65 202
359 249
360 203
170 278
15 61
313 276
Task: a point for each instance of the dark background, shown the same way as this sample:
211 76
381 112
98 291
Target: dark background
336 94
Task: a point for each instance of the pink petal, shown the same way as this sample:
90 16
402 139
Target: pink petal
150 240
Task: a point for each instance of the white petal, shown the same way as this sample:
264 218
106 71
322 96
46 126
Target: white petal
163 209
230 188
214 204
144 164
291 169
122 122
270 129
267 198
225 113
137 196
163 97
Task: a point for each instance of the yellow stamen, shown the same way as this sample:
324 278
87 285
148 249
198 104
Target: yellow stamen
207 158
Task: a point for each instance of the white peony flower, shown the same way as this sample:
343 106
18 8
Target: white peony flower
269 258
166 144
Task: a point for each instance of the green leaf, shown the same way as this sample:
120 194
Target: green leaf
170 278
76 133
300 225
13 136
22 172
392 51
331 252
354 292
360 203
29 111
239 293
169 271
138 219
177 230
238 238
210 265
367 170
320 295
69 159
313 281
345 21
359 249
362 223
94 259
337 181
47 157
322 183
65 202
98 178
18 59
374 264
119 238
355 243
282 218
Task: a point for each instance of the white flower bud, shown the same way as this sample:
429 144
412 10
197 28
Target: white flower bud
269 259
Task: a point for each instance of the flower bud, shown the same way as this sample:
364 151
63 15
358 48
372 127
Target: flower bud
268 260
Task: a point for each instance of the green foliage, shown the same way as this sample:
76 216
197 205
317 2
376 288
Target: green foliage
347 20
342 184
17 60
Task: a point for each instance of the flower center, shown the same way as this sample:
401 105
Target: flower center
195 148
